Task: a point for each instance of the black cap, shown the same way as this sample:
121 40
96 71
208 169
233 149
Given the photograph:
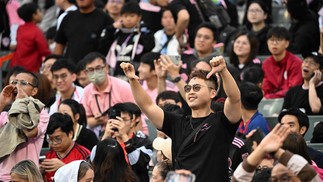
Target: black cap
301 117
317 57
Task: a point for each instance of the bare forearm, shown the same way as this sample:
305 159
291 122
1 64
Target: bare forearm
59 49
161 85
142 99
2 106
182 22
314 100
230 86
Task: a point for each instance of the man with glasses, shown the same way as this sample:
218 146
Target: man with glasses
63 149
21 90
201 141
281 69
122 126
103 92
309 95
63 78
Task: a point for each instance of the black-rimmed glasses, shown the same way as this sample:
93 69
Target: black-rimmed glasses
91 70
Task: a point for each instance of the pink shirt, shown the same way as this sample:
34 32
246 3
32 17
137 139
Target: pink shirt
154 93
29 150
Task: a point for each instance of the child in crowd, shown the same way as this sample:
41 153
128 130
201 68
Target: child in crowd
31 43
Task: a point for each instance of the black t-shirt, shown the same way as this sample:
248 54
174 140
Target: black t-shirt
87 138
298 97
81 32
195 20
207 153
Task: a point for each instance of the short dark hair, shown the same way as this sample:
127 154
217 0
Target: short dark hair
251 95
80 66
148 58
253 74
210 26
301 117
128 107
62 121
26 11
173 108
53 56
90 57
202 75
63 63
168 94
131 7
35 80
278 32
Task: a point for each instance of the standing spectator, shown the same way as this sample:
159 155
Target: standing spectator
113 8
25 85
66 6
78 43
26 170
31 42
103 92
165 39
197 137
282 67
244 51
257 14
46 66
304 30
126 40
309 95
138 147
63 149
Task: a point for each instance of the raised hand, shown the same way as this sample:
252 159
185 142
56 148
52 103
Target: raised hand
167 64
20 92
218 64
160 71
7 95
317 77
274 140
129 71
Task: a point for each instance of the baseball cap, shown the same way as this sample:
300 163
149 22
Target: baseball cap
317 57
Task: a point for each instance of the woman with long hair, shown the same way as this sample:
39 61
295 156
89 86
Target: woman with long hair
244 51
109 163
76 111
26 170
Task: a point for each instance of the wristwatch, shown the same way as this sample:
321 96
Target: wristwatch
177 79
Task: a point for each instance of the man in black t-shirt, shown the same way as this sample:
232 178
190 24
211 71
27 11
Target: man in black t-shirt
308 96
201 142
80 31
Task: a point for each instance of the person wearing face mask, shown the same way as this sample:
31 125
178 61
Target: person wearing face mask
103 92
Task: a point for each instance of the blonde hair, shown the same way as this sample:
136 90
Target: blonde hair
27 170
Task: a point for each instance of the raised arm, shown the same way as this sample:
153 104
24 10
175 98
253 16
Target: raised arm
6 96
314 100
143 100
232 105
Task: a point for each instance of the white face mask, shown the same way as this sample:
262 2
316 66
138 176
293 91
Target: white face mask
97 77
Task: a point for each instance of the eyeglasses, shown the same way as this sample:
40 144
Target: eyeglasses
22 83
310 62
62 77
91 70
275 40
283 178
256 11
57 140
196 87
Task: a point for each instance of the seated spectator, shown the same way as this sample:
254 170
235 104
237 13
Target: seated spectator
138 147
63 149
257 15
63 77
26 170
251 95
299 123
165 39
253 75
164 149
109 151
304 30
45 91
244 51
75 171
160 171
47 65
31 42
168 97
82 135
309 95
282 67
291 165
113 8
22 132
81 76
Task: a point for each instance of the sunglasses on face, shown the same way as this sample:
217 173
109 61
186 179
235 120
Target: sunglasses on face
196 87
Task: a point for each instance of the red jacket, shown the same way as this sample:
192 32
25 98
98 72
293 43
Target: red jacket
31 47
282 75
